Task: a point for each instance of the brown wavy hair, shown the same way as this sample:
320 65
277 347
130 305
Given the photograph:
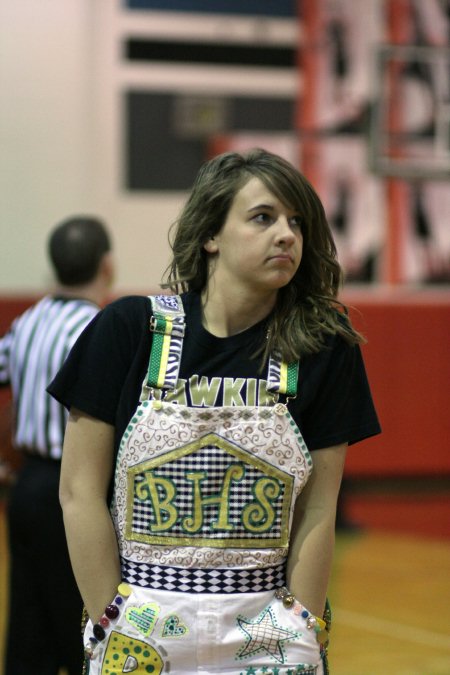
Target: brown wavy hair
307 307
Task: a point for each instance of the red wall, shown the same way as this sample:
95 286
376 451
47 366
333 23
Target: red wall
408 364
10 307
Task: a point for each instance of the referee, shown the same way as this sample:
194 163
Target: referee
44 603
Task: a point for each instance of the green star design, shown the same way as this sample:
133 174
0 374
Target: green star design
263 634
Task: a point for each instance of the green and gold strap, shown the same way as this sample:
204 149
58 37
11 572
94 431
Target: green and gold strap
282 377
167 326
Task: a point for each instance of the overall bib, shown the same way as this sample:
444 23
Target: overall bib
203 505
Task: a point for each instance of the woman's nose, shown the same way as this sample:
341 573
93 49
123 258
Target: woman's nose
284 230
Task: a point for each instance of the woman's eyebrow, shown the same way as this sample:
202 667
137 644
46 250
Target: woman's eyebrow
261 206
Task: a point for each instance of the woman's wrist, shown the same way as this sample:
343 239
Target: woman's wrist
108 616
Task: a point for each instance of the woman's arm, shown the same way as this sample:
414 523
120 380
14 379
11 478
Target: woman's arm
313 532
86 469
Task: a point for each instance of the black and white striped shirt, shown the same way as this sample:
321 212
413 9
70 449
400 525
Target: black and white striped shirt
31 354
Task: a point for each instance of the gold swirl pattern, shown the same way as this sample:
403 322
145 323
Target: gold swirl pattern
166 429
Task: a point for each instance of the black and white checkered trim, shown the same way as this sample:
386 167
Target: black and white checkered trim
188 580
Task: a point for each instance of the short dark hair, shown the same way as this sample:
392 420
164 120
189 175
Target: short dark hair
76 247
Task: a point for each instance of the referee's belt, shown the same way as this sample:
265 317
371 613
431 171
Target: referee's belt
32 454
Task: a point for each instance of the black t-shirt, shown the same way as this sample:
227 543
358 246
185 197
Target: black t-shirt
104 372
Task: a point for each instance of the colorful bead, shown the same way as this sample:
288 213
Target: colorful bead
124 589
279 409
321 623
112 611
99 632
311 622
89 652
288 601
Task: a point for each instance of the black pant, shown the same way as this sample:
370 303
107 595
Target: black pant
45 606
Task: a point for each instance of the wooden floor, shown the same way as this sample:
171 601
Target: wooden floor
391 599
391 604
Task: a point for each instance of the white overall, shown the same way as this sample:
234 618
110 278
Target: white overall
203 505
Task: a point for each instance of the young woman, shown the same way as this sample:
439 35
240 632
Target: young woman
207 438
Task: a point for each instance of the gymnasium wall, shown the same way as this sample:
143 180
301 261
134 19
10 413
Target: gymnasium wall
110 107
400 481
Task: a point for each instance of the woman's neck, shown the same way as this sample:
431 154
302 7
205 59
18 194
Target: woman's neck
226 314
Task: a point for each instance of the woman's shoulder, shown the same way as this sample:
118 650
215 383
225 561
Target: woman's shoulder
128 306
343 335
128 302
134 311
142 303
124 318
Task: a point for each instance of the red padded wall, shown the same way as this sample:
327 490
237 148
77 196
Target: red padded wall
407 359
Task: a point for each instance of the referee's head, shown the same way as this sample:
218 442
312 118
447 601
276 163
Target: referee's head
76 248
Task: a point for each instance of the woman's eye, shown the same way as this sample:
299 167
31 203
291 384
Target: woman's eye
263 218
296 221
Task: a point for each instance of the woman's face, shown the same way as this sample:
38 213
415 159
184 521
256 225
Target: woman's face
259 247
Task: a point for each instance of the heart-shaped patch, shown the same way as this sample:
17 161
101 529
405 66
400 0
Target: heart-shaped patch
144 617
173 627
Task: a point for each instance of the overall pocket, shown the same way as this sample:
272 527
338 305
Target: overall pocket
279 637
318 626
121 641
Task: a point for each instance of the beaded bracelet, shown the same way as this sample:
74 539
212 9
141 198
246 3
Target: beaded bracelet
313 622
110 613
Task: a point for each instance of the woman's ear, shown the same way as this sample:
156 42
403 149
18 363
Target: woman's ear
210 245
107 268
